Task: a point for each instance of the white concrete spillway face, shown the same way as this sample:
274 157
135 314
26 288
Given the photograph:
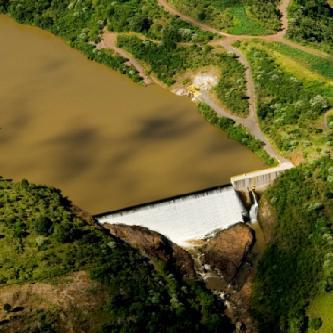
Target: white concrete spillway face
186 218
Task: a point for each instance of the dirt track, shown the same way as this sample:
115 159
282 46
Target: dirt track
109 41
251 122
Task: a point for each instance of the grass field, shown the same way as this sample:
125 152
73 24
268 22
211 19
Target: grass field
309 77
316 64
243 23
310 69
291 102
321 307
233 16
329 119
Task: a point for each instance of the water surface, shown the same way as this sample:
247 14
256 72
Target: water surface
105 141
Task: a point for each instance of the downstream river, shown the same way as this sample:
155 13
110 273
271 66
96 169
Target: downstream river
105 141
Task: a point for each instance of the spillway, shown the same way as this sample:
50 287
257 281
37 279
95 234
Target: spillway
184 218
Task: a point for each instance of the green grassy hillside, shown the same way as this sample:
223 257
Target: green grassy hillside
292 101
81 24
311 22
237 17
168 60
294 281
43 239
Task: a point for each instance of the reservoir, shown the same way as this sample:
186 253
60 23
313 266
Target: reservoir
105 141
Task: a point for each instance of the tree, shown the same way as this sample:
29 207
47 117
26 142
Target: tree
7 307
67 232
170 38
316 323
25 184
43 226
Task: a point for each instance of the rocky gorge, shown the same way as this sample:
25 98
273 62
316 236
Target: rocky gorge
223 261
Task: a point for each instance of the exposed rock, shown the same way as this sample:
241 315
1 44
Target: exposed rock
67 302
266 218
85 216
228 249
241 312
154 245
205 81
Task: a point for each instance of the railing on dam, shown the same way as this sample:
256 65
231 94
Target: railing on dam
260 179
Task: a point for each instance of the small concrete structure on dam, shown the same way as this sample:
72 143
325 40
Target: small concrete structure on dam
258 180
184 218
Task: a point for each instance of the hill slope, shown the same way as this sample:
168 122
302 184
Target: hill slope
58 272
297 266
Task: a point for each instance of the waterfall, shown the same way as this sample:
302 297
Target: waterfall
254 208
185 218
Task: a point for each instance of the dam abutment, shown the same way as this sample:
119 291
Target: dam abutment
258 180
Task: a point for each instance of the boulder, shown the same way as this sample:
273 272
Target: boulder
227 250
155 246
266 218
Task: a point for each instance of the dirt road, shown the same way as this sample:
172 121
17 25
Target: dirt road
109 41
227 41
251 122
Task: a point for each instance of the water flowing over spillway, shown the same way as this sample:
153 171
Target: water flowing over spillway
186 218
254 208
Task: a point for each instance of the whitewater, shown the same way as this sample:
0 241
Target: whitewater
185 218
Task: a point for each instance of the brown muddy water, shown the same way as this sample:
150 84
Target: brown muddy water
104 140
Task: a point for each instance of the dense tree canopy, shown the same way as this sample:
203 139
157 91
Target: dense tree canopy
297 265
312 21
42 238
239 17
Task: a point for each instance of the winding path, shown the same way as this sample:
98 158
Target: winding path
251 122
109 41
227 41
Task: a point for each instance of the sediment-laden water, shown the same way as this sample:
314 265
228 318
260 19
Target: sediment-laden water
106 142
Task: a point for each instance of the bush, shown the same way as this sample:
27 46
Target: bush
66 232
236 132
296 265
43 226
312 21
315 323
7 307
287 106
237 16
231 89
166 60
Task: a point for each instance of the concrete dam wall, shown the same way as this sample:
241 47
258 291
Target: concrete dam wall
259 180
193 216
184 218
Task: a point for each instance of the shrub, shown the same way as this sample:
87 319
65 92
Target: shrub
7 307
312 21
66 232
43 226
287 106
296 265
236 132
239 17
315 323
156 299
